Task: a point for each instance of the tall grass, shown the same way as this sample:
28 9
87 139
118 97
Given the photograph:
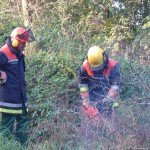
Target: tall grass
55 104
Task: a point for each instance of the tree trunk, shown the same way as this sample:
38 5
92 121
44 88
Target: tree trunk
25 12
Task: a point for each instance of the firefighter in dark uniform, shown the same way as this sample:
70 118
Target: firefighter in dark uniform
99 82
13 100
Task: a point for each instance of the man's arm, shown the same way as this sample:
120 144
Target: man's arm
115 79
3 60
83 85
83 80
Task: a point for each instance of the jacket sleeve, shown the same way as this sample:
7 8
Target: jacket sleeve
3 61
115 75
115 81
83 80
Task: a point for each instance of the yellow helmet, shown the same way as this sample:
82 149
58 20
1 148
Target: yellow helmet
95 58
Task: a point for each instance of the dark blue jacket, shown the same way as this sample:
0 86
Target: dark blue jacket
13 92
99 82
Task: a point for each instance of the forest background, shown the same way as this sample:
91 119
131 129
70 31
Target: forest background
64 31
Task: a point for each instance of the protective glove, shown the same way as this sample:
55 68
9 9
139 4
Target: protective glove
3 77
85 103
85 97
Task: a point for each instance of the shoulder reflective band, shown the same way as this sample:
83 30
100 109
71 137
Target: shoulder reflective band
84 89
14 60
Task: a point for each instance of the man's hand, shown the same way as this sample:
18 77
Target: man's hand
85 103
3 77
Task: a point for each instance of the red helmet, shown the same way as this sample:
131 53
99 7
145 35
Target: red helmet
22 35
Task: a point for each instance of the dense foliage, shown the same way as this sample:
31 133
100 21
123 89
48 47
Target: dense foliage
64 30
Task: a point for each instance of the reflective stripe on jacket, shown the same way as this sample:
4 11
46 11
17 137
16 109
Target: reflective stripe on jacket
12 93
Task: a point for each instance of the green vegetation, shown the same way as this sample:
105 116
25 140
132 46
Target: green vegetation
64 30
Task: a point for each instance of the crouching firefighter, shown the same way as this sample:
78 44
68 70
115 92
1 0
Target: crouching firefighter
13 100
99 83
